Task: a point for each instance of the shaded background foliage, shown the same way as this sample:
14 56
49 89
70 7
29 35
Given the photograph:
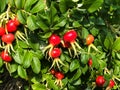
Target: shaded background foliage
40 18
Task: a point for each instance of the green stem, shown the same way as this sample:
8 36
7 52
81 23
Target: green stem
27 12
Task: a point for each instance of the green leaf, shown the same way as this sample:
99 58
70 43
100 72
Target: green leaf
67 58
99 21
22 72
76 75
117 55
63 6
23 44
46 35
84 33
38 7
21 17
84 69
77 82
11 2
36 65
116 70
27 59
65 81
60 24
95 62
52 85
38 54
1 62
94 31
19 3
28 4
113 54
74 65
102 64
53 12
66 67
95 5
43 25
12 67
76 24
3 4
117 62
18 57
38 86
116 44
31 23
1 70
108 42
35 80
84 58
71 87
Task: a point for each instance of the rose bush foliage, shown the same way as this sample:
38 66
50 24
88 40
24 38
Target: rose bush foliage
39 19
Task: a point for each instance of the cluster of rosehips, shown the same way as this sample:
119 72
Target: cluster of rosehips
7 37
54 40
100 81
68 41
58 75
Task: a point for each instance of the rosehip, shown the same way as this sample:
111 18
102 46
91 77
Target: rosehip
8 38
59 75
100 81
2 31
89 39
5 56
111 83
11 27
90 62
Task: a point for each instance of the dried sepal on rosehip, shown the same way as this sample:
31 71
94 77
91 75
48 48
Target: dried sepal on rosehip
8 40
89 42
55 54
59 76
21 36
70 37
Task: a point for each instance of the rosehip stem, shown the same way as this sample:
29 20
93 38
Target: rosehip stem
26 12
114 77
7 67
